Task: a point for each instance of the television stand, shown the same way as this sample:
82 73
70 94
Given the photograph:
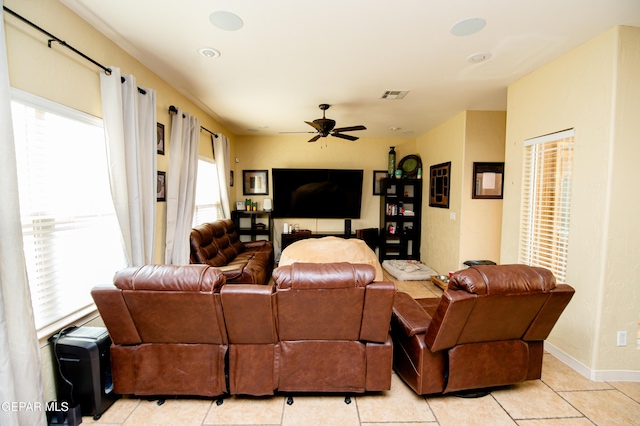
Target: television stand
287 239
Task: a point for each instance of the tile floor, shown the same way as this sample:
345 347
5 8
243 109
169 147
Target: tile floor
561 397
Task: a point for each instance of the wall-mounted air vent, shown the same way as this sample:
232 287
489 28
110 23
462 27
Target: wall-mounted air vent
394 94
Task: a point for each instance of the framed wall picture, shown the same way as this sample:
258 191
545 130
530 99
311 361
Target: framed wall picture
255 182
161 187
378 175
488 180
439 185
160 140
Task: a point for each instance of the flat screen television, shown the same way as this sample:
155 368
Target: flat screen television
317 193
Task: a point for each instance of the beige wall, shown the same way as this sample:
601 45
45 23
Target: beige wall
481 219
440 244
595 90
469 229
369 154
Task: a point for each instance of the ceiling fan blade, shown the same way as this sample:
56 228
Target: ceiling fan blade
348 137
349 129
315 138
295 132
314 125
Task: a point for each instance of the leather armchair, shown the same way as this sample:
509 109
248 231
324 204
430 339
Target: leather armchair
486 330
322 328
167 330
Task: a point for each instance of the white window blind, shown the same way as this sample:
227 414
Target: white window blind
546 199
71 235
208 208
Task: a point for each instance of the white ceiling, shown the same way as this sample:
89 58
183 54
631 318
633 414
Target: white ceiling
292 55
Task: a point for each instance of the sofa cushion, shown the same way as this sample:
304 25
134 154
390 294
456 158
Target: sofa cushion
156 298
199 278
322 275
326 301
502 279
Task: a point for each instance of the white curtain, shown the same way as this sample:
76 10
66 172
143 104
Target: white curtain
20 365
130 128
181 186
221 156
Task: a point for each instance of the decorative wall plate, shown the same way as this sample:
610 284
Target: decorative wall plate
410 165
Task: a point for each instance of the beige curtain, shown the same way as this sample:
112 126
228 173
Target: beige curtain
221 157
129 117
181 186
20 366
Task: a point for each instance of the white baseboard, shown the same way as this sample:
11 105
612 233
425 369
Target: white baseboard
595 375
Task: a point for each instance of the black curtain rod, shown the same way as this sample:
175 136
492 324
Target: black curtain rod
207 130
174 110
54 38
141 91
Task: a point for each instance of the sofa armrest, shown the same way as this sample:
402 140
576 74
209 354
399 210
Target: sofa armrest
550 313
376 315
230 271
115 314
249 313
254 244
409 315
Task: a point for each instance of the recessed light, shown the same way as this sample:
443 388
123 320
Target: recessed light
226 20
468 26
394 129
476 58
209 52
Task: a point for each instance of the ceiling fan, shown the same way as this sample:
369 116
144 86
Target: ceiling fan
325 127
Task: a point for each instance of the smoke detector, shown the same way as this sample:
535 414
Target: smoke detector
209 52
479 57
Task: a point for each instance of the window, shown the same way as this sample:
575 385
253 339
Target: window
208 208
71 235
547 202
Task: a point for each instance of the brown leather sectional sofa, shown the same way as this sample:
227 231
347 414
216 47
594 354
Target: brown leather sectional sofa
217 244
179 330
486 330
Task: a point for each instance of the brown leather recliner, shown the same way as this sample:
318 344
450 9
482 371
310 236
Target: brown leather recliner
167 330
486 330
324 328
